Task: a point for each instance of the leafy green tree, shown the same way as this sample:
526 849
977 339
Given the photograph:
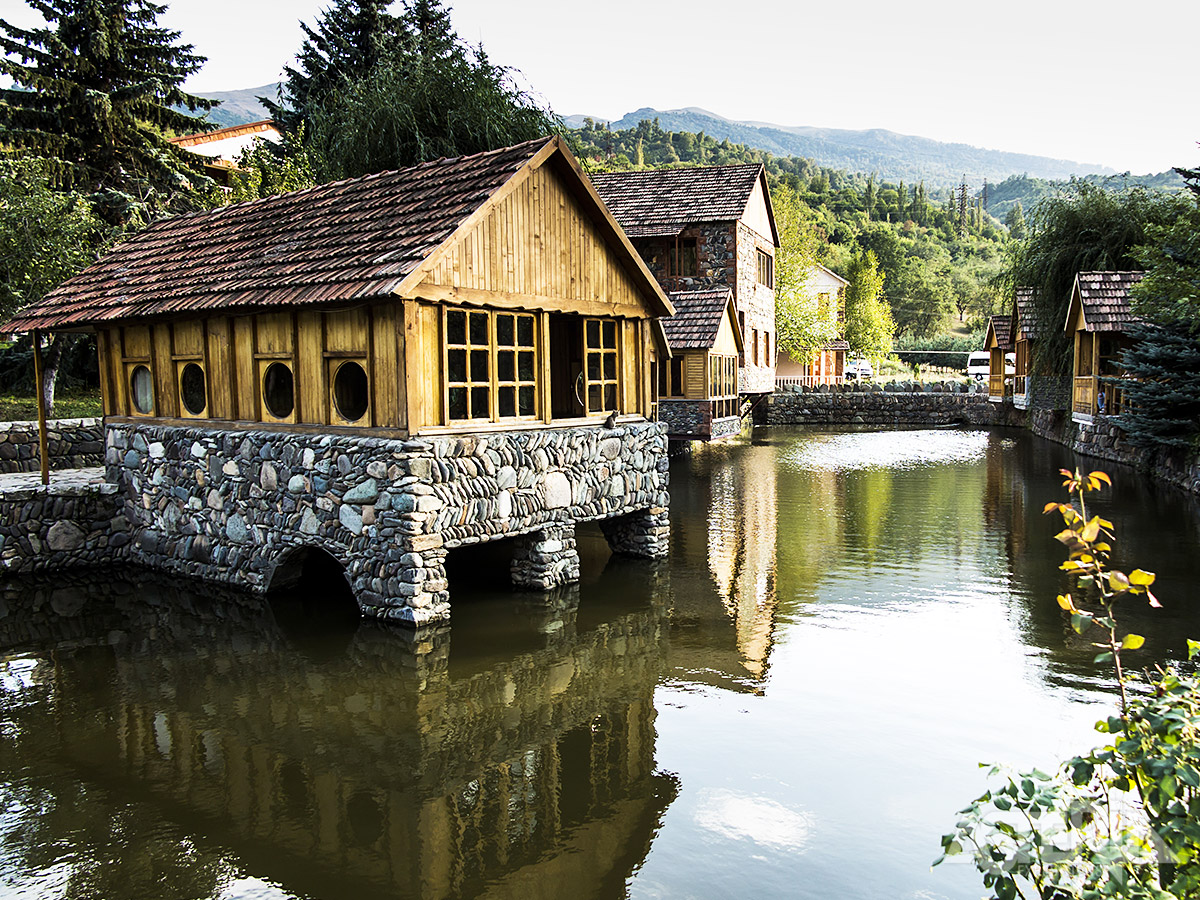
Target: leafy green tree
1170 292
1015 222
349 41
869 325
46 236
801 328
429 95
1087 229
96 92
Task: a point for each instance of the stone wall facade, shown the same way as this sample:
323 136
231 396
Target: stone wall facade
73 444
870 404
73 522
692 420
244 507
756 311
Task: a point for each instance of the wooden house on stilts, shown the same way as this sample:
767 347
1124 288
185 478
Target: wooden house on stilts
1097 319
382 370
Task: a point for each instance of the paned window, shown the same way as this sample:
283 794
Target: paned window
600 346
516 369
766 269
683 258
670 377
468 364
490 355
722 385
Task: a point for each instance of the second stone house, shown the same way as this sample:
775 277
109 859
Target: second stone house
706 227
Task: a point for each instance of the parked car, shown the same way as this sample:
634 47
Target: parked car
859 370
979 365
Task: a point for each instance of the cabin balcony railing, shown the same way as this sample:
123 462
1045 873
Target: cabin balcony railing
1096 396
1021 385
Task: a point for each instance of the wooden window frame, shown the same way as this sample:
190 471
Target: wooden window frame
131 366
264 362
181 363
766 268
603 352
333 365
493 384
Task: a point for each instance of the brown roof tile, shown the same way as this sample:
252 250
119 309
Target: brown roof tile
1002 328
661 202
345 241
697 318
1105 299
1026 323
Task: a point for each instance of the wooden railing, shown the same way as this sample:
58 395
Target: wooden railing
783 381
1090 397
1021 385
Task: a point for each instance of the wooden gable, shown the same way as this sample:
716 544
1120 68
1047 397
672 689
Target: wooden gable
759 214
1076 320
544 242
729 335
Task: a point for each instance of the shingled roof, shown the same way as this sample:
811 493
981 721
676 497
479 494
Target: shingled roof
1001 327
342 242
1026 325
1104 297
662 202
697 318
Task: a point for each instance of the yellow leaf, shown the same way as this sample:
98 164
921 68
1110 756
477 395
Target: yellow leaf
1091 531
1118 581
1050 507
1101 476
1141 578
1064 600
1132 642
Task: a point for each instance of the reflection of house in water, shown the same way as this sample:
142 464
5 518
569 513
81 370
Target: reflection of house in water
723 564
366 765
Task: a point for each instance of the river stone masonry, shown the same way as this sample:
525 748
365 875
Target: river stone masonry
242 507
872 404
73 444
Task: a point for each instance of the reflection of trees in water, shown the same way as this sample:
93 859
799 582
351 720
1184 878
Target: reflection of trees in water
373 766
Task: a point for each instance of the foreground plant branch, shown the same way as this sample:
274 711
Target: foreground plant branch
1124 819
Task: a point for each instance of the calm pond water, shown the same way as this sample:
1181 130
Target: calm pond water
793 705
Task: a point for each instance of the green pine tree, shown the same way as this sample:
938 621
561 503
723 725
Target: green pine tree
96 93
1162 393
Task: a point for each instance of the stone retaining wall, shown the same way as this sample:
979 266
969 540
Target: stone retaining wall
75 521
245 507
871 404
73 444
1104 439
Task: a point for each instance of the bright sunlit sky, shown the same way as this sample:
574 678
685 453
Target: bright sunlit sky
1097 82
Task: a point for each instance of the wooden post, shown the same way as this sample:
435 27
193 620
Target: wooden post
43 440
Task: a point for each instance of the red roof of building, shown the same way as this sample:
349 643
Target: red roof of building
697 318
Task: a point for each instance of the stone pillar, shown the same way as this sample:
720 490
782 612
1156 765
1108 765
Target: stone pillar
407 584
645 533
546 558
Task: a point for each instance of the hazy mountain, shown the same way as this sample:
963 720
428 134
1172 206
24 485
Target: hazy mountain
240 107
893 156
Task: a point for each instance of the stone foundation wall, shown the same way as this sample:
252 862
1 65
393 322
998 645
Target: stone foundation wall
1103 439
76 521
73 444
240 507
870 404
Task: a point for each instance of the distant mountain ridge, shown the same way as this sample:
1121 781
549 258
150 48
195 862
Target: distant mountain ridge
893 156
240 107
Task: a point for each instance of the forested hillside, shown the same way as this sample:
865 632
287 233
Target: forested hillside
938 251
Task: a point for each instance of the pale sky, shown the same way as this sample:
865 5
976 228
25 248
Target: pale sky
1096 82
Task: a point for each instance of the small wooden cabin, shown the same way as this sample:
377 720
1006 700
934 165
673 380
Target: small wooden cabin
698 387
1024 332
1098 316
998 343
487 292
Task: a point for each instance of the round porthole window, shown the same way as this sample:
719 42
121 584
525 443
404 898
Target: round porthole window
279 390
192 390
350 392
141 389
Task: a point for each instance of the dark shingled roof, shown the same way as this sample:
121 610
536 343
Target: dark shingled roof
662 202
697 318
1026 325
1105 299
339 242
1002 328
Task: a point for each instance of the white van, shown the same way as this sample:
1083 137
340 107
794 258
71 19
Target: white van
979 365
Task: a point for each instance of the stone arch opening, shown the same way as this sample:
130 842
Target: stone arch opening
312 601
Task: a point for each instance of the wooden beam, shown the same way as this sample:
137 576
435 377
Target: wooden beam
43 439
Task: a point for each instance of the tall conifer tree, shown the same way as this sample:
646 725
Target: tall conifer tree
97 90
